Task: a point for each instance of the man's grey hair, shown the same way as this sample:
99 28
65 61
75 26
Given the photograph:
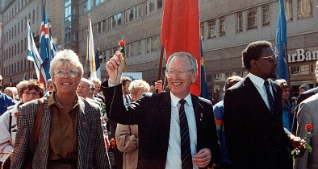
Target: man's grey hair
193 61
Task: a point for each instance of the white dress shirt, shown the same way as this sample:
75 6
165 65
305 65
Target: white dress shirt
259 84
174 148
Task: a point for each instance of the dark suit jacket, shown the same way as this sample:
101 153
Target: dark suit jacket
152 114
254 136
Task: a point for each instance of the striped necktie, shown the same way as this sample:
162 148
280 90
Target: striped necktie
185 138
269 97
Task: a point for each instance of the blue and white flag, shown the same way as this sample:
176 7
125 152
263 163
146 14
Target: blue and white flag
33 54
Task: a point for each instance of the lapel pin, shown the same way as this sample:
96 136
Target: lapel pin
201 116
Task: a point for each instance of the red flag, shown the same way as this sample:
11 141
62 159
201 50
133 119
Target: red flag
181 31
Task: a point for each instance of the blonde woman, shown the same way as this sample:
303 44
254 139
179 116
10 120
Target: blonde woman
127 135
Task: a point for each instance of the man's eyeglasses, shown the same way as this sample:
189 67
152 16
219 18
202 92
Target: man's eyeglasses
272 58
173 73
31 93
70 72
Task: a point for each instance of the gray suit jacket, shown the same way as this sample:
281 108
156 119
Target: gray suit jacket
91 146
308 114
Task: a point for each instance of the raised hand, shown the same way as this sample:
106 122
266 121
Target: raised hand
114 68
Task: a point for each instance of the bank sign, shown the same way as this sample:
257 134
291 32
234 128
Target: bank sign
302 55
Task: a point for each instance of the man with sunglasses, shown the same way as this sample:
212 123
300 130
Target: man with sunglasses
255 136
5 101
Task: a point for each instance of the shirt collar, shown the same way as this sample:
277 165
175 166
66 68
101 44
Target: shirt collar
256 80
175 100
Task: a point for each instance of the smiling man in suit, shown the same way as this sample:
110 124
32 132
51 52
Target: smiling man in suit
165 141
254 133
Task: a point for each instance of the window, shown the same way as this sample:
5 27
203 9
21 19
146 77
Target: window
304 8
119 19
265 9
131 14
155 43
211 25
99 27
252 18
239 22
152 6
288 10
33 16
294 69
221 26
148 44
159 4
114 18
202 30
104 25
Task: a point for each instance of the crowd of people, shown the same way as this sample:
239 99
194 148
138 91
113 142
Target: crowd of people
122 123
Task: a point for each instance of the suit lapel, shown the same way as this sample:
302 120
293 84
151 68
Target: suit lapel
197 108
83 130
164 117
253 94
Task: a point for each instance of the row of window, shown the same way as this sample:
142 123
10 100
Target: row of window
19 27
136 12
211 28
14 9
16 49
17 67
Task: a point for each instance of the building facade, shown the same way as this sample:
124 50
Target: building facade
14 16
226 27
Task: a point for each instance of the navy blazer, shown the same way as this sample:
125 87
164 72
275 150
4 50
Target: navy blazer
255 137
152 113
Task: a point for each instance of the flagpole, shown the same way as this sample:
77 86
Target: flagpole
29 60
160 64
88 36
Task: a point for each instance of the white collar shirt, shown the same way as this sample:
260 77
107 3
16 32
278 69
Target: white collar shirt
173 160
259 84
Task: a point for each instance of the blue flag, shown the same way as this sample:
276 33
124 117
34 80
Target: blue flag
45 49
204 87
281 42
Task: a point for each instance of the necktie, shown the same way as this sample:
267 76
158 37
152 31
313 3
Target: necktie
269 97
185 138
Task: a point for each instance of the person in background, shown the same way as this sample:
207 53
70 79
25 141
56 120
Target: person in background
11 92
71 134
176 129
127 135
152 89
287 109
158 86
223 161
255 136
49 87
126 95
28 90
5 101
97 91
294 101
302 88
